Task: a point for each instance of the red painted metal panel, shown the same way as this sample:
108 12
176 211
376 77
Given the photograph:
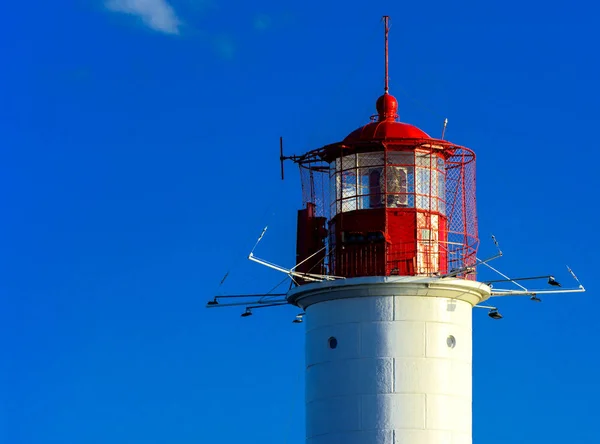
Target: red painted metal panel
310 241
360 243
402 246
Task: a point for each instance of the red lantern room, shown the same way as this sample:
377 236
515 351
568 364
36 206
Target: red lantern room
387 200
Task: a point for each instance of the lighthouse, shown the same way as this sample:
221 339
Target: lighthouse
389 339
385 276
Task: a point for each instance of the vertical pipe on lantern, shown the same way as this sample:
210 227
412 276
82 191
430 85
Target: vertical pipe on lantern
464 209
386 260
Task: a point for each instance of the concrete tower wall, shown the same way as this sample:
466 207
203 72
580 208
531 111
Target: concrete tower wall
390 367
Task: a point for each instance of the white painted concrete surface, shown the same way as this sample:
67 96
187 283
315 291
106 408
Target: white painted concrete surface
401 370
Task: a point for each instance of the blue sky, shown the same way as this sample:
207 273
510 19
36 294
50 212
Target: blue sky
139 145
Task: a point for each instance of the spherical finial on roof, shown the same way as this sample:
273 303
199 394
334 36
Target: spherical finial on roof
387 107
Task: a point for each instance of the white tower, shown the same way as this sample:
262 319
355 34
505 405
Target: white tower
388 359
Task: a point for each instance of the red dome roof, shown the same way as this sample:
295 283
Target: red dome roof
388 129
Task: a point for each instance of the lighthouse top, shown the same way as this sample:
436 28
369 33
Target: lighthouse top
386 204
388 200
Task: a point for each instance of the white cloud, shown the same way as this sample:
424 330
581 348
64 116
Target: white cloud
156 14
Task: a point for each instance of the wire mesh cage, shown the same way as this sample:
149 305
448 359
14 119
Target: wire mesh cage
314 178
432 181
461 209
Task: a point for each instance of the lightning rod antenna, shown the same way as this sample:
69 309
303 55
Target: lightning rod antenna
386 22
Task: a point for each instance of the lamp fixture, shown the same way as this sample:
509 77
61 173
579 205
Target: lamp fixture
299 318
553 281
247 313
495 314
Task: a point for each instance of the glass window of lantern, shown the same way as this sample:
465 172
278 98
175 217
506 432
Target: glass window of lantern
401 158
441 193
370 172
370 159
346 184
410 179
430 190
423 188
333 194
424 159
348 162
349 186
434 190
396 187
400 180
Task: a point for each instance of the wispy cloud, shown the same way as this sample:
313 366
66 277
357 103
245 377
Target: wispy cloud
156 14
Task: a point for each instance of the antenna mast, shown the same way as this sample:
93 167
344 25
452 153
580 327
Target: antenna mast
386 24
